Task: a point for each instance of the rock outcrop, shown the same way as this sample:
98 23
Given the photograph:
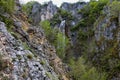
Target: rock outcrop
42 12
107 37
22 62
73 8
25 53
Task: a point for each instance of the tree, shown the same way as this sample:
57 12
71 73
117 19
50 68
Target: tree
115 10
7 6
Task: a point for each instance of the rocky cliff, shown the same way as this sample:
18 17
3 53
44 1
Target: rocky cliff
40 12
25 54
48 10
84 35
107 36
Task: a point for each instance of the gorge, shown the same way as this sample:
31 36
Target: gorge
76 41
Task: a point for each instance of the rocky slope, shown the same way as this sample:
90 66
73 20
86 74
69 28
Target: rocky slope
107 36
25 53
92 29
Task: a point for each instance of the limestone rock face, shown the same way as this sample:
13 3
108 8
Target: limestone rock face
17 5
25 53
73 8
35 13
22 62
42 12
107 38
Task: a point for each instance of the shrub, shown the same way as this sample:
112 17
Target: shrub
91 12
56 38
42 62
81 71
7 6
29 56
5 78
50 33
65 15
48 74
61 45
19 57
115 9
26 46
6 20
28 7
24 75
3 63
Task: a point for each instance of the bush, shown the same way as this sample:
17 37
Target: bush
50 33
65 15
29 56
28 7
62 43
7 6
115 9
42 62
3 63
91 12
5 78
56 38
6 20
80 71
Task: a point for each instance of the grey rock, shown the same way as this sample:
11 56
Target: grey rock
23 66
18 24
42 12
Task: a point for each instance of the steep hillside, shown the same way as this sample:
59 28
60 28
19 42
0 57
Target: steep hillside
77 41
25 54
107 34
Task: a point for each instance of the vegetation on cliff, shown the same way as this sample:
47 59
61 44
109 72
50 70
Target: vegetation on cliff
7 6
56 38
94 55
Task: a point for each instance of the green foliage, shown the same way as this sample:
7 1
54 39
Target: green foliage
50 33
26 46
48 74
15 35
65 15
82 35
107 59
42 62
62 43
5 78
6 20
55 20
28 7
56 38
85 44
19 57
29 56
82 71
115 9
3 64
7 6
24 75
90 13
